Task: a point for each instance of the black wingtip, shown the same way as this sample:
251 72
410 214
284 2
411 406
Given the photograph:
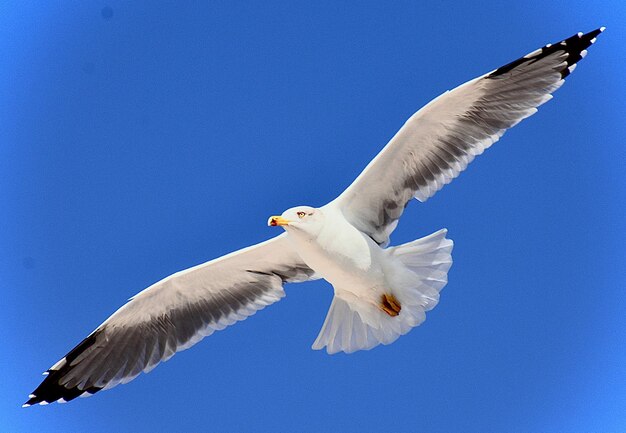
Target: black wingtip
51 390
575 46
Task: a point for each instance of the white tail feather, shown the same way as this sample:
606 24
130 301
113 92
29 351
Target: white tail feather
428 257
420 271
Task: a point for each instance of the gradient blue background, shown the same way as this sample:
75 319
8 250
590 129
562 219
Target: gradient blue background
140 138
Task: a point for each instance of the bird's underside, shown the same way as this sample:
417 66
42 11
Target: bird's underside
430 149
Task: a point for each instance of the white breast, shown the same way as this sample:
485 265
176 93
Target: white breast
341 254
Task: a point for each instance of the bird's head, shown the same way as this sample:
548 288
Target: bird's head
302 219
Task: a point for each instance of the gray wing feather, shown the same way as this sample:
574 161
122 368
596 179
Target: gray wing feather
441 139
172 315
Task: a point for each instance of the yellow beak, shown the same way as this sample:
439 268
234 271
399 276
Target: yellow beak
277 221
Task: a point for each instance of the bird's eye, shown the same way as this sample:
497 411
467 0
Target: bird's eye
300 214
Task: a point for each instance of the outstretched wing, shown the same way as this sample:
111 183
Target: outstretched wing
172 315
441 139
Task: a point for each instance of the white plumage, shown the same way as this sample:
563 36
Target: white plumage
380 293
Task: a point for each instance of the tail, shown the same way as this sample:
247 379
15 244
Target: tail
429 257
361 322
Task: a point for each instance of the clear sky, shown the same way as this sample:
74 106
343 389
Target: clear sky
140 138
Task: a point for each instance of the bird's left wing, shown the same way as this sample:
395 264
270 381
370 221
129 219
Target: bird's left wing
441 139
172 315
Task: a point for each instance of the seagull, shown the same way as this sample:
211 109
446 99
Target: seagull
380 292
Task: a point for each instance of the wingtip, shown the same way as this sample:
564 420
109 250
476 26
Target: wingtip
29 402
575 47
595 32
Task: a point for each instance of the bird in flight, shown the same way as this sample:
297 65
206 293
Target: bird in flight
380 292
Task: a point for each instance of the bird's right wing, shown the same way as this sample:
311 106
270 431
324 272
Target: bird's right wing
441 139
172 315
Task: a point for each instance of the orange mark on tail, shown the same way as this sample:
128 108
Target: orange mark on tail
390 305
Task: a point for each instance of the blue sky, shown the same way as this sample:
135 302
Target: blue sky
139 139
